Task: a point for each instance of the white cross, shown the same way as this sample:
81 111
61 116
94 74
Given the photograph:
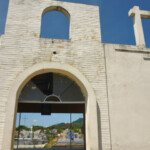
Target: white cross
138 27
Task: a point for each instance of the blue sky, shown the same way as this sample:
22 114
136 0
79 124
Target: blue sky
32 119
55 28
116 25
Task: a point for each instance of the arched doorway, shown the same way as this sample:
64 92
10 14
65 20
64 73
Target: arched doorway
50 114
72 73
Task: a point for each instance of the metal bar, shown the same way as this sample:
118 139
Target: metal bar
70 129
84 131
50 84
19 130
22 101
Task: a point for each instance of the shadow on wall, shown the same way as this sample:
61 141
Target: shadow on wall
99 128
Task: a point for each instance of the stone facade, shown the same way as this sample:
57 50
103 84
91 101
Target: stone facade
22 47
118 74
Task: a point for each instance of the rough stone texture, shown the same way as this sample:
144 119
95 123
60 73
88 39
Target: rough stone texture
22 47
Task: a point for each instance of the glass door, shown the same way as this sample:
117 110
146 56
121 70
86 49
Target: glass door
55 131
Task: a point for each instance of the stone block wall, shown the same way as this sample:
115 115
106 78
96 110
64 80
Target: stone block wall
21 47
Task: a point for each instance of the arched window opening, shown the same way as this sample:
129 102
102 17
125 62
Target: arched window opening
51 87
55 23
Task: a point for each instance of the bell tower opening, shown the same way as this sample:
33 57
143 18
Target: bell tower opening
50 114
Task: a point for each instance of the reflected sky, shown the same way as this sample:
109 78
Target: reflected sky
33 119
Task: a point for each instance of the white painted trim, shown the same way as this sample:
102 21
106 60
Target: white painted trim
74 74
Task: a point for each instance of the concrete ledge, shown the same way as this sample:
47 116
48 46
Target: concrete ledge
134 49
131 48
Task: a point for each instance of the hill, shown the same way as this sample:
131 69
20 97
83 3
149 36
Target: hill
78 122
61 126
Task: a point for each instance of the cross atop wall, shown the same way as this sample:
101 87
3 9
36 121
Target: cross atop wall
138 28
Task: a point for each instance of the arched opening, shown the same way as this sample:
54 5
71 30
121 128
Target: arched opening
55 23
66 70
50 97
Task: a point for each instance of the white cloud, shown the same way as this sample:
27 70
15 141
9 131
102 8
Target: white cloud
34 120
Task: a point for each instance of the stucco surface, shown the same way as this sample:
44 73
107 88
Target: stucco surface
128 80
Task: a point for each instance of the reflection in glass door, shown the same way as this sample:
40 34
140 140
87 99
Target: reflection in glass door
50 114
56 131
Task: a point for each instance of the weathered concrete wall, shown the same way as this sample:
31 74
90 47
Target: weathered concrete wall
21 47
128 77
